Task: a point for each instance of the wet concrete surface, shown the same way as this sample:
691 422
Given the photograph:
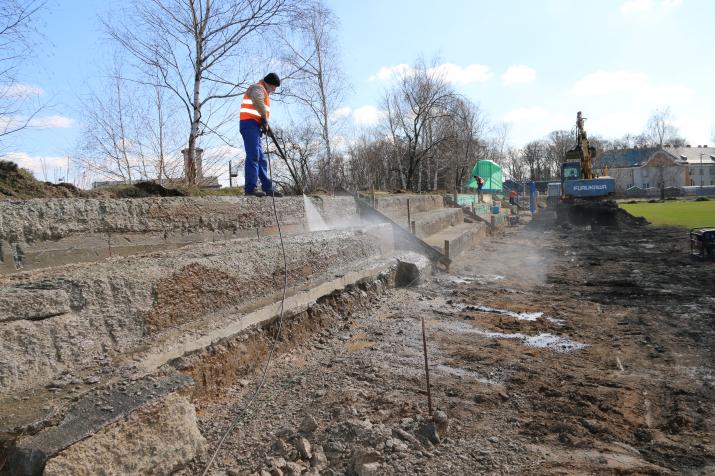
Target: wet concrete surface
636 396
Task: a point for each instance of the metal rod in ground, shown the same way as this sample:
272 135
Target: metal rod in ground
424 347
409 218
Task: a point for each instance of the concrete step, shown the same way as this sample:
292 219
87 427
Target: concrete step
37 234
433 221
395 206
459 237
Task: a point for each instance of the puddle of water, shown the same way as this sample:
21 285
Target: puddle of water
543 340
479 278
551 341
522 316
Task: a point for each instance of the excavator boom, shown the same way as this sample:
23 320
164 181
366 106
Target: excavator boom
582 194
584 148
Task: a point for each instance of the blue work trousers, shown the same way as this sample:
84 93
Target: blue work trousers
256 164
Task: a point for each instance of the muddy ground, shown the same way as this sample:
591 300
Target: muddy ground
603 364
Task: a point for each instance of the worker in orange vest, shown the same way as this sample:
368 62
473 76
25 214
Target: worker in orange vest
480 184
255 111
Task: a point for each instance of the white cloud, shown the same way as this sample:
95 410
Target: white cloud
649 7
526 114
41 122
695 128
34 163
341 113
52 122
630 84
367 115
449 72
518 73
387 73
20 90
452 73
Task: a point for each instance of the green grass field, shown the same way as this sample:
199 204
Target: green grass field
687 214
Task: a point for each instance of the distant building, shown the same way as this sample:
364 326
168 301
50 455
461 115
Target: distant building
655 167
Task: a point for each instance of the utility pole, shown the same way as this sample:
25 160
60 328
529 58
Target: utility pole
230 176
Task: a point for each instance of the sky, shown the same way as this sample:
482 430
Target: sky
531 64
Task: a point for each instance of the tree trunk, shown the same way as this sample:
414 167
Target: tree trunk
122 139
161 171
325 120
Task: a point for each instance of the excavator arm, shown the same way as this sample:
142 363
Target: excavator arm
584 149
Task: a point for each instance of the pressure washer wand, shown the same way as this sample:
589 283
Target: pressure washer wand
269 131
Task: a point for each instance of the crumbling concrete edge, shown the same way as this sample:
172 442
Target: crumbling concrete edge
89 431
97 411
151 361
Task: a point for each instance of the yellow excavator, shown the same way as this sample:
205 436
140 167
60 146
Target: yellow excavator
582 193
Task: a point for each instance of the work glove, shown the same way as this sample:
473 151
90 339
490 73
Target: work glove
264 125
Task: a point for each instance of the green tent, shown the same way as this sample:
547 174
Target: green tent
490 172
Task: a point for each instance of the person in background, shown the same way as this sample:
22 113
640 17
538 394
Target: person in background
480 184
254 114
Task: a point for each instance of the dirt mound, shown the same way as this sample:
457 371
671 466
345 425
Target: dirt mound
625 219
145 189
19 183
598 214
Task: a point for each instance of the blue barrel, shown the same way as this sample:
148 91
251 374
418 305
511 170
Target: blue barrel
495 209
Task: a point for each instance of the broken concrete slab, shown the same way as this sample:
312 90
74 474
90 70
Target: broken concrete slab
157 438
412 269
33 304
123 304
147 410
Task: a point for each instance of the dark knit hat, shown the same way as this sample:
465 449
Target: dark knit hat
272 79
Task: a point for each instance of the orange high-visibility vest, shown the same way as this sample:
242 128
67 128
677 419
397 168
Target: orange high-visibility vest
248 110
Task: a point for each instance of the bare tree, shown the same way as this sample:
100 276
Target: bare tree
467 126
296 170
317 82
196 46
514 164
17 40
534 158
127 131
660 129
557 144
415 103
369 160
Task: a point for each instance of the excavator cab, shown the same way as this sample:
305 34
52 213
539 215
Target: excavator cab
571 170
